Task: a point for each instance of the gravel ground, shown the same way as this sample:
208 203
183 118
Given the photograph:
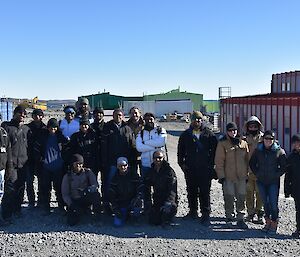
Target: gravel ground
35 235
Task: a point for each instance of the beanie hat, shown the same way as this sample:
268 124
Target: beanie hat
20 109
196 115
122 161
37 112
52 123
269 133
231 126
295 138
77 158
69 109
149 114
84 121
98 110
83 100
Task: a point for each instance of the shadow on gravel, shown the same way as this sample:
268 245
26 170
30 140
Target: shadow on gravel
175 133
32 221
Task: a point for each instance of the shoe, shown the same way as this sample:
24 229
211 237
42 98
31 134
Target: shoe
241 224
250 217
296 234
192 215
273 228
260 220
267 225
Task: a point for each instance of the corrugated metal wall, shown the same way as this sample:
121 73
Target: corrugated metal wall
281 114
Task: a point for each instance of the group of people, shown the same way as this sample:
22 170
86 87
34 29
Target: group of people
70 155
130 159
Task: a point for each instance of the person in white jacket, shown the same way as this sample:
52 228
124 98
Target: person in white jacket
150 139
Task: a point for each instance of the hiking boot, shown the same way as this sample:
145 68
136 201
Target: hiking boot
241 224
273 227
267 225
296 234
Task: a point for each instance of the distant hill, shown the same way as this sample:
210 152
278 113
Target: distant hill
58 104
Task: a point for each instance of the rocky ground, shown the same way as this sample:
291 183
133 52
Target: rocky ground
36 235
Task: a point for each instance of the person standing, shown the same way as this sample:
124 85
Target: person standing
18 136
48 153
118 141
84 142
253 136
292 180
163 196
268 163
69 125
196 153
232 166
35 126
6 169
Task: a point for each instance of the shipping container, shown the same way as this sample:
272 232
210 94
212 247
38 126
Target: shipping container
6 110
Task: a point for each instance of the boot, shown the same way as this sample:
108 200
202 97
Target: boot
273 227
260 218
267 225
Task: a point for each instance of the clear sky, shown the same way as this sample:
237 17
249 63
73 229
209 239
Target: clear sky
60 49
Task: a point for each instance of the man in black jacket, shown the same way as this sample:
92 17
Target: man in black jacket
18 136
6 166
164 199
118 140
196 152
35 127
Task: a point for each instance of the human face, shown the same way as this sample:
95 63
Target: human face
118 117
37 118
149 121
268 141
158 157
20 116
98 116
84 107
232 133
296 146
122 168
196 123
52 131
77 166
84 128
135 114
70 116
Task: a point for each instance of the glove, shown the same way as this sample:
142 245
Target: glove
221 181
166 208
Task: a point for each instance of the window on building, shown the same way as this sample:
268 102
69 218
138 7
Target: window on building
283 87
288 86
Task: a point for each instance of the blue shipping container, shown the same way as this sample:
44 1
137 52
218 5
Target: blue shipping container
6 111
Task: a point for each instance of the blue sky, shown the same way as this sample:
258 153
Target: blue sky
60 49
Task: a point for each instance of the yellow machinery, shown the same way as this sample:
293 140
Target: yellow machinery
35 104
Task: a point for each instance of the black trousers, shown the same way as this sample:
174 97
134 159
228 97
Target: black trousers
78 206
198 187
297 207
49 180
14 194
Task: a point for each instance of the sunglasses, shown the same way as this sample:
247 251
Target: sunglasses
230 130
158 157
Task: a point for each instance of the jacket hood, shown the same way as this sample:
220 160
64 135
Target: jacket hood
253 119
275 147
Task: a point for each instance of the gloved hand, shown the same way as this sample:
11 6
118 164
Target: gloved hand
221 181
166 208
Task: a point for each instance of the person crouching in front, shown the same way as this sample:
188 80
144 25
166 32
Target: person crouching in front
80 191
125 193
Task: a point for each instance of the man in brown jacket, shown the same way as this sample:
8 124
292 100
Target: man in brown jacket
231 160
253 136
80 190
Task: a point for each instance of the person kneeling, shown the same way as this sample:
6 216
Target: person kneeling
125 193
80 191
164 199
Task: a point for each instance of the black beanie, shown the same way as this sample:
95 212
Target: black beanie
296 138
37 112
269 133
84 121
231 125
77 158
52 123
20 109
98 110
